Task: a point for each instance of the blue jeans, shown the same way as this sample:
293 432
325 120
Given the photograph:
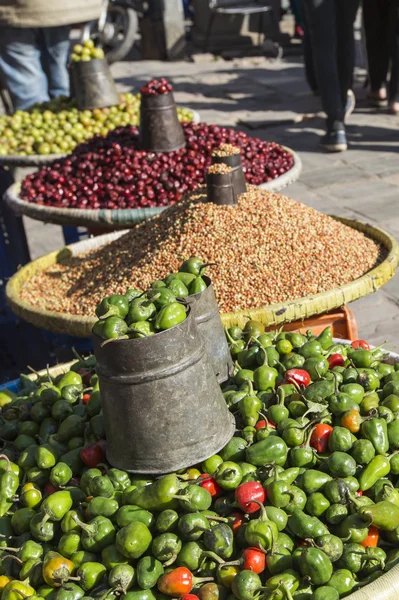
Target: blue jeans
33 63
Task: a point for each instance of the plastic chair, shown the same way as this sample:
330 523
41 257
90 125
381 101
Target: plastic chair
240 7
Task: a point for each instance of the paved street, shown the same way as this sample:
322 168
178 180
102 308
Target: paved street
270 99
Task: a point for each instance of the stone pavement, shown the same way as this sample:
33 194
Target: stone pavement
270 99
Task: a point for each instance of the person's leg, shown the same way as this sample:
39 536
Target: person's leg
376 23
320 17
346 11
21 68
308 55
394 40
55 46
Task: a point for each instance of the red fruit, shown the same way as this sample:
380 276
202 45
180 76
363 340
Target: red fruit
247 493
86 398
360 344
239 519
49 488
297 376
261 424
319 437
254 560
93 455
371 541
336 360
210 484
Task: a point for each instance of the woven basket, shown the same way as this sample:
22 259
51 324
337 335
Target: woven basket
38 160
273 314
119 218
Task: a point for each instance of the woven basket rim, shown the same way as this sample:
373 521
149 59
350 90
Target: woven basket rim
273 314
117 218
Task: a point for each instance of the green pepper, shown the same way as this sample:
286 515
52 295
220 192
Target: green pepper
60 474
197 286
61 410
161 297
316 366
46 456
166 547
305 526
228 475
249 408
352 528
376 561
290 580
336 513
265 378
234 450
246 585
72 426
148 571
97 534
316 565
42 532
261 531
353 557
341 464
192 526
272 449
99 506
70 592
113 305
111 557
363 451
219 539
21 519
331 545
354 390
392 387
376 431
9 482
342 582
170 315
157 496
167 521
368 379
91 574
377 468
384 515
133 540
69 543
313 481
298 499
128 513
316 504
121 578
101 486
340 440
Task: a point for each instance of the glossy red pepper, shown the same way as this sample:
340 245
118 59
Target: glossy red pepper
93 455
336 360
297 376
190 597
179 582
239 519
262 424
86 398
360 344
371 541
254 560
319 437
249 495
209 483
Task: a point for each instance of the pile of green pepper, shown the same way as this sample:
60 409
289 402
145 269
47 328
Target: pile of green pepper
302 503
138 314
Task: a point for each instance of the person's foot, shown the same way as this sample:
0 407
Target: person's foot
350 104
394 108
334 141
378 98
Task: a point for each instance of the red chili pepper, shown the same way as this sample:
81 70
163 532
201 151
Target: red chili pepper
359 493
254 560
336 360
246 493
93 455
239 519
190 597
49 488
86 398
262 424
298 376
371 541
179 582
210 484
319 437
360 344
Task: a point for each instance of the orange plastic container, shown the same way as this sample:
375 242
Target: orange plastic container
342 321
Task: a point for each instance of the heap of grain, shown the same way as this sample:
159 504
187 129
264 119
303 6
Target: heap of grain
267 248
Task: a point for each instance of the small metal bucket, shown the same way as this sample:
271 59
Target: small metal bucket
162 404
92 84
206 314
233 161
160 129
220 189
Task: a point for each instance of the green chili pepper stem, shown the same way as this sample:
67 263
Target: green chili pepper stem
170 562
131 330
215 557
212 518
113 310
82 525
11 556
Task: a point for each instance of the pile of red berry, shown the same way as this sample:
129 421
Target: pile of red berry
155 87
112 172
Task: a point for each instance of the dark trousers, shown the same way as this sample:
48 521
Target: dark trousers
382 42
330 25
